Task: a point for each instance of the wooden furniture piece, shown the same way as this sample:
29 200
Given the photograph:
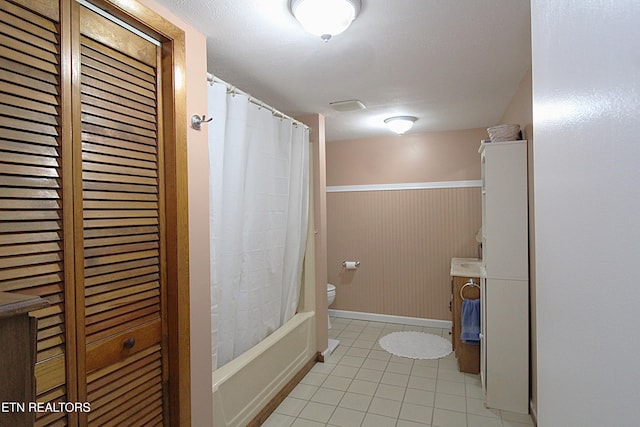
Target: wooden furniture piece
462 271
504 351
18 334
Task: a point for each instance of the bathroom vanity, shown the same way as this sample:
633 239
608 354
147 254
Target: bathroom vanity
464 271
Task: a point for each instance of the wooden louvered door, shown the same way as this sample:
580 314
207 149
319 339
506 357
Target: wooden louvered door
36 196
122 275
83 211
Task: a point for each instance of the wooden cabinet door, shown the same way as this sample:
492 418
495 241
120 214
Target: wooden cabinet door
468 355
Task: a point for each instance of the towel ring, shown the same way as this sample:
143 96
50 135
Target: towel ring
469 283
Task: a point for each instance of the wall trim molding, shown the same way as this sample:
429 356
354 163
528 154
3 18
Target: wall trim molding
404 186
389 318
533 413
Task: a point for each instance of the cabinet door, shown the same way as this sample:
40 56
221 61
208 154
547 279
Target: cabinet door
505 219
468 355
506 338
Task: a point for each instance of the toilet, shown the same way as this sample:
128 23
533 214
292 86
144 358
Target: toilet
331 293
331 297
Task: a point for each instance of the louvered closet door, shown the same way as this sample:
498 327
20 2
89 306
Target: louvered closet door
81 211
35 192
121 224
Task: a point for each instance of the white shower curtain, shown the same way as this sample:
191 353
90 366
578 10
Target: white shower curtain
259 169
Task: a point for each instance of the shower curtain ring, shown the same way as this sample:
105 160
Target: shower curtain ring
196 121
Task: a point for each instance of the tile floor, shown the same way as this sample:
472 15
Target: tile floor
360 384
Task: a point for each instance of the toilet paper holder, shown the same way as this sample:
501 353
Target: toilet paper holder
351 264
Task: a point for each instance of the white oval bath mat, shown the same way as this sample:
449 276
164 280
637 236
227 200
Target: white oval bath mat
416 345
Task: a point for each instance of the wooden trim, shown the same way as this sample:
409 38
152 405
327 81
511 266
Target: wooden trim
262 416
174 135
69 70
73 185
177 223
166 368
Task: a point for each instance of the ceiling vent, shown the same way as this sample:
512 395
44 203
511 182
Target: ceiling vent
350 105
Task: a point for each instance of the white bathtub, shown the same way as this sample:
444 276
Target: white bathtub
244 386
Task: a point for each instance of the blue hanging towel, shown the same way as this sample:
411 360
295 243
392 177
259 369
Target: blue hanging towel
470 332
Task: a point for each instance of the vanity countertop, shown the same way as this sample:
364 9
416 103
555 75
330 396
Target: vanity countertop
466 267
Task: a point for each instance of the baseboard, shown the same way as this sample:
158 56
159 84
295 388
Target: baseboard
333 344
324 355
388 318
533 413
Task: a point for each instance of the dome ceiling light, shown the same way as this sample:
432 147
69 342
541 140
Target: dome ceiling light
400 124
325 18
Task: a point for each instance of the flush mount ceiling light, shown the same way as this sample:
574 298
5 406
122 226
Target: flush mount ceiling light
400 124
325 18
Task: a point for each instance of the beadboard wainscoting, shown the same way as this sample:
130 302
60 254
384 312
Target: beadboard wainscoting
404 238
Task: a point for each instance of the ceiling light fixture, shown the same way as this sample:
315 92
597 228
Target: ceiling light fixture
325 18
400 124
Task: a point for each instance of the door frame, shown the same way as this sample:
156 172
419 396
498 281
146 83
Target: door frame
174 135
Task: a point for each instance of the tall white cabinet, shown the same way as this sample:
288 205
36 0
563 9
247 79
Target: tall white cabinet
504 342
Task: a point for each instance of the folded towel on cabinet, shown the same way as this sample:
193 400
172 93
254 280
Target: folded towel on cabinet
470 331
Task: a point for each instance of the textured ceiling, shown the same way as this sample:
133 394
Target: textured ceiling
454 64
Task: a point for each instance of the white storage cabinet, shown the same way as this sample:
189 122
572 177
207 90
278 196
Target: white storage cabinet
504 342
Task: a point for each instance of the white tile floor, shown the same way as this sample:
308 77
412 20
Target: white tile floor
362 385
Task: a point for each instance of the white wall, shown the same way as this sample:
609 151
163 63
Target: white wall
586 119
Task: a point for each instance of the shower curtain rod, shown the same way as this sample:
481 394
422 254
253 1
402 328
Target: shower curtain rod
232 89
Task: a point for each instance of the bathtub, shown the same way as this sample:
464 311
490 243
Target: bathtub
244 386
